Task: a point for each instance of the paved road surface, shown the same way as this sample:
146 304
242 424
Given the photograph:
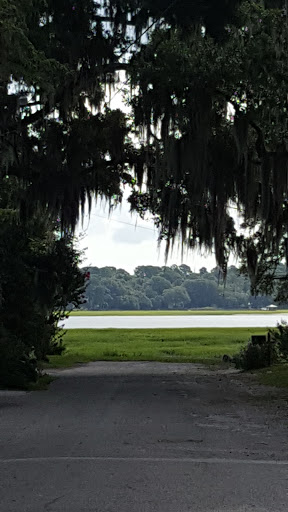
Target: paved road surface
139 437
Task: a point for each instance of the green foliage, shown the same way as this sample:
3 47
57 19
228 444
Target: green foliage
271 273
203 292
216 131
39 276
274 376
175 298
57 150
255 356
273 350
63 55
159 284
129 302
57 58
146 271
18 365
168 287
42 383
144 302
279 338
61 147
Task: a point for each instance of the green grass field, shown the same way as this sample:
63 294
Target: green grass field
166 345
275 376
177 313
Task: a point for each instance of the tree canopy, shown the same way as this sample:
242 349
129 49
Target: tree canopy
214 119
209 108
175 287
206 85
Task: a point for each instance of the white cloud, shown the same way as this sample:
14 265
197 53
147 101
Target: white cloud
120 241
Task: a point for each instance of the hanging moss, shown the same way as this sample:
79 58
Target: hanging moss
210 155
210 101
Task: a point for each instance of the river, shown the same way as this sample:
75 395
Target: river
173 322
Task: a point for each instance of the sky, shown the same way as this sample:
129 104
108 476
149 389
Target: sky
123 240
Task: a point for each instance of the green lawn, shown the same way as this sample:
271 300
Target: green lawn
167 345
176 313
275 376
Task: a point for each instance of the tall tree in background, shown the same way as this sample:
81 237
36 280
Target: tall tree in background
108 291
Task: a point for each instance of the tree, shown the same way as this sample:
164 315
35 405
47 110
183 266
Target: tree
175 298
39 276
129 302
222 135
159 284
171 274
115 286
144 302
204 290
107 272
185 269
202 293
61 51
157 302
146 271
149 292
55 153
60 58
122 274
96 295
214 134
271 274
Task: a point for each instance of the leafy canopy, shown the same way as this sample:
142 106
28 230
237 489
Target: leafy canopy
208 96
213 114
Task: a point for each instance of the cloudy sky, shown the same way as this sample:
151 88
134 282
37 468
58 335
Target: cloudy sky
125 241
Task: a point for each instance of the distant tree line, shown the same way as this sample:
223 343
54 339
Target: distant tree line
174 287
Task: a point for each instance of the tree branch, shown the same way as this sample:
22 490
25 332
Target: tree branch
33 118
260 143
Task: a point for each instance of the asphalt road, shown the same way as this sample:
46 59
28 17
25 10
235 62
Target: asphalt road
139 437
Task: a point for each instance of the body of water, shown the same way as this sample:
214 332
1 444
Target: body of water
173 322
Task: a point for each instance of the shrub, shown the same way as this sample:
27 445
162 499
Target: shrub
255 356
39 276
18 366
280 339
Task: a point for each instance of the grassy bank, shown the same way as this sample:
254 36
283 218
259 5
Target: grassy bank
275 376
166 345
178 313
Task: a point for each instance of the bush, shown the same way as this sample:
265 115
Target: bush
280 339
18 367
256 356
56 347
271 351
39 276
